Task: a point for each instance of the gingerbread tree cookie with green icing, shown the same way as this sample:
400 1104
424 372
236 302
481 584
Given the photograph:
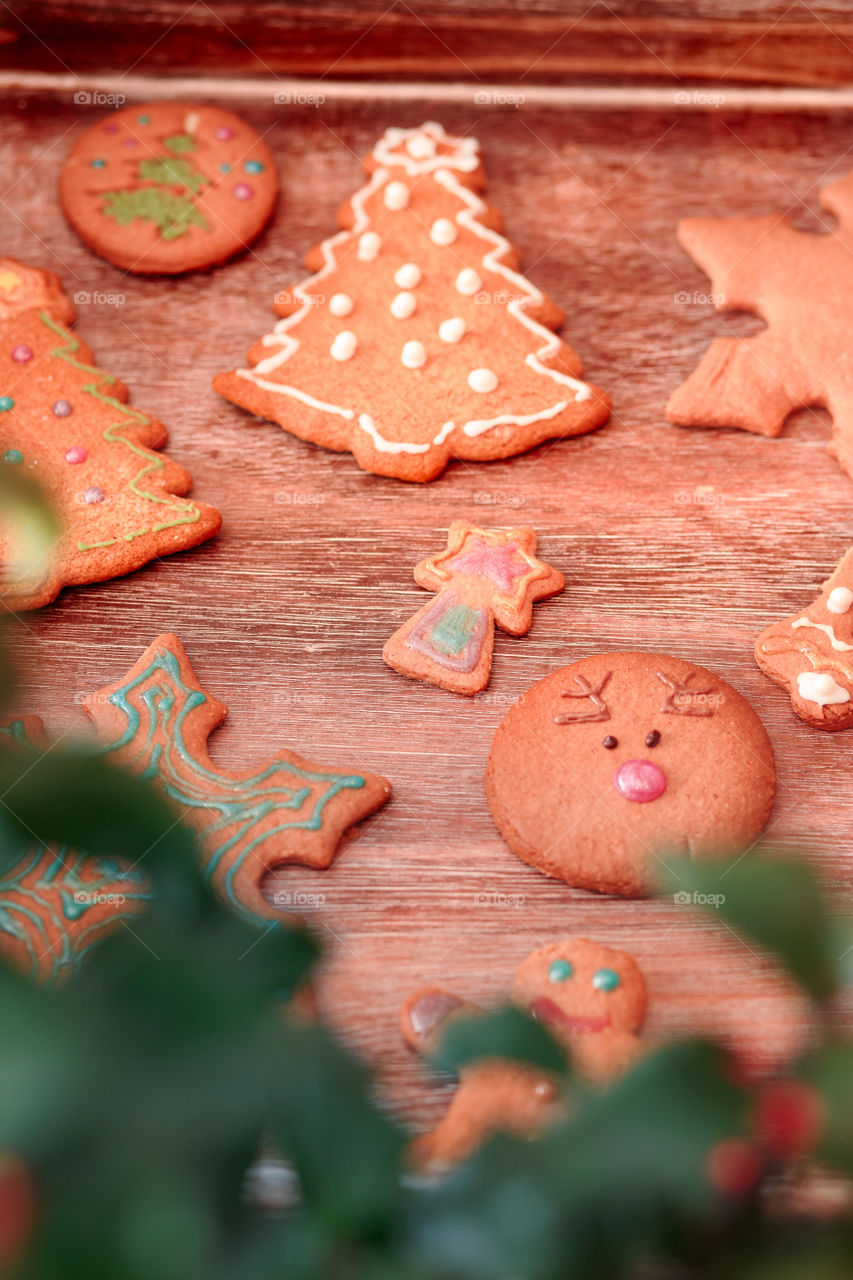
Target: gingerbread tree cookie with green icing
66 423
483 577
57 904
593 1001
801 284
156 722
417 340
168 187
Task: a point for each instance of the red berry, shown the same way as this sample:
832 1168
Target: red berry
17 1208
788 1118
734 1166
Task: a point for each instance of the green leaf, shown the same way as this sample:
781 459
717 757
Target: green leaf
776 902
346 1152
503 1033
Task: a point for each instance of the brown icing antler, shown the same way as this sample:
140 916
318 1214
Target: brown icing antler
586 690
679 689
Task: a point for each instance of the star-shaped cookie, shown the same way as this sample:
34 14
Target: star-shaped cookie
802 285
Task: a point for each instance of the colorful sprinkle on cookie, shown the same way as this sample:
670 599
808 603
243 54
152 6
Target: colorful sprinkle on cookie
86 441
151 191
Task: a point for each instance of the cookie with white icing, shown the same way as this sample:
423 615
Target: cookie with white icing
593 1001
811 653
611 768
417 340
168 186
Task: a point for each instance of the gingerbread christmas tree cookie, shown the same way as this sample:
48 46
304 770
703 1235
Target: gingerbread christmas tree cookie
57 904
483 577
417 340
66 423
802 285
156 721
593 1001
168 186
811 653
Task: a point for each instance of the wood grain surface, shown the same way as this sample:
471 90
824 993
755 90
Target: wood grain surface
801 42
683 541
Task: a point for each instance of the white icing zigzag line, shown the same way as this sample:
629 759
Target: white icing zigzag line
466 217
466 157
828 630
387 446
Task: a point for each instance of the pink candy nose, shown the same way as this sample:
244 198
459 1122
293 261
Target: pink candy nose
640 780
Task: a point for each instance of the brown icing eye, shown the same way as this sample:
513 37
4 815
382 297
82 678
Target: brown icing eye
653 738
610 742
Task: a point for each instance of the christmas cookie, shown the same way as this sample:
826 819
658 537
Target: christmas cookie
593 1001
483 577
811 654
56 904
156 721
604 769
416 340
802 285
65 423
168 186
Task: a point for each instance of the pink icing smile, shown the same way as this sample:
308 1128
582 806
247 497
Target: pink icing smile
640 780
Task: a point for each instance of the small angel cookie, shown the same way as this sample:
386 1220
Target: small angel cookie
483 577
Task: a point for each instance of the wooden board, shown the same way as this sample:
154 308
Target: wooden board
544 41
686 541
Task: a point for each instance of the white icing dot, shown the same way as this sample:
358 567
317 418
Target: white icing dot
414 355
443 231
407 276
420 147
822 688
840 600
451 330
403 306
341 304
468 281
396 195
369 245
482 380
344 345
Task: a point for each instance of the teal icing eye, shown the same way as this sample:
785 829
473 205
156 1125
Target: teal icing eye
559 970
606 980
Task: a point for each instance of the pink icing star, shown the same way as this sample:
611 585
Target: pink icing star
498 563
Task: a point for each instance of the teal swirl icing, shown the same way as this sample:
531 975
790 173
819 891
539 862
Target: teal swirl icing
238 808
53 888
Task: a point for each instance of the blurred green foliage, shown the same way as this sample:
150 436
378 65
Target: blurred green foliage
134 1100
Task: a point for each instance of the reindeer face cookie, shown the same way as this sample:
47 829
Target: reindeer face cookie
622 759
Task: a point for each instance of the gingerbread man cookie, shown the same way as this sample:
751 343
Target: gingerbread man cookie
811 654
56 904
802 285
168 186
608 768
416 340
483 577
593 1001
66 423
